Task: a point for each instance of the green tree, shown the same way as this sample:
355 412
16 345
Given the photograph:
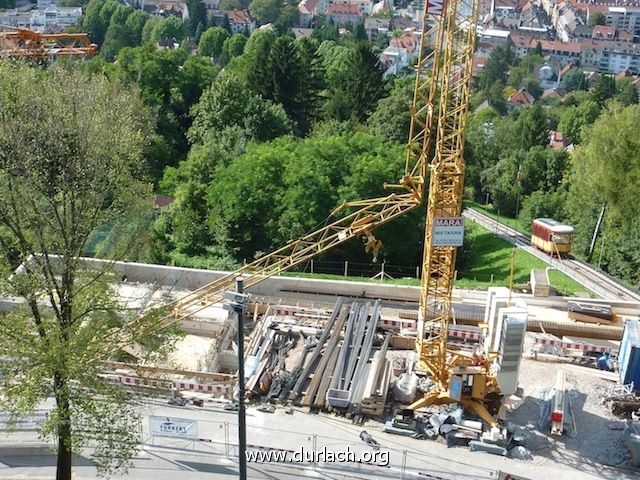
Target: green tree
7 3
293 80
234 45
282 189
171 82
575 118
597 18
265 11
391 118
229 102
534 126
135 24
288 16
497 67
197 15
118 36
604 88
538 50
212 41
148 29
575 80
627 92
543 204
534 88
169 28
91 21
255 68
495 97
357 86
63 137
605 169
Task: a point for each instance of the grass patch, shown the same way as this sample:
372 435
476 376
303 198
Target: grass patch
490 266
514 223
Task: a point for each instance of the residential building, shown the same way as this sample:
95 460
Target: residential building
165 8
558 141
49 19
241 21
365 7
344 13
603 32
376 27
532 19
211 5
568 24
401 52
309 9
625 18
520 99
616 57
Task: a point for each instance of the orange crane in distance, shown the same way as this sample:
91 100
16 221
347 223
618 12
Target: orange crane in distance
24 43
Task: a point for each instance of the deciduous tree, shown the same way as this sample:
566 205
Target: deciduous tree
70 156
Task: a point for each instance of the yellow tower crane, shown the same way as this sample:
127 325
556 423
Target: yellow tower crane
441 93
458 377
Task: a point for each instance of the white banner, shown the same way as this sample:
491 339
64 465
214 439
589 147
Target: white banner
173 427
32 421
448 231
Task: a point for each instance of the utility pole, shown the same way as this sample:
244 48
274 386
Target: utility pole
237 306
596 232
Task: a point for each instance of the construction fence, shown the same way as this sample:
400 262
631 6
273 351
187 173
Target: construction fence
346 453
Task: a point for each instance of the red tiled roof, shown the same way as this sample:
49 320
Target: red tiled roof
603 31
343 9
556 46
521 97
407 41
240 16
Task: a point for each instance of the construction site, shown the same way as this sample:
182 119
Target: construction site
545 383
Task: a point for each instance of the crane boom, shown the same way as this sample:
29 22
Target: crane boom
25 43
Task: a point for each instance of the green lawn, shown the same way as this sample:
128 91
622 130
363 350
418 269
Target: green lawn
489 266
511 222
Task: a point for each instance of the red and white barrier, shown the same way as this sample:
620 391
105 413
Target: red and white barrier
133 380
553 341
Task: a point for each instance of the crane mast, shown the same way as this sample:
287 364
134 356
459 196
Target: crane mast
458 377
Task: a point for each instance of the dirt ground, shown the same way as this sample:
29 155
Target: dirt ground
598 439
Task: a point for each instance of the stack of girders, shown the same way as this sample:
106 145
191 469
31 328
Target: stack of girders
352 369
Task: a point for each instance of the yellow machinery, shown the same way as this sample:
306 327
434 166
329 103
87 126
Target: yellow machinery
442 87
25 43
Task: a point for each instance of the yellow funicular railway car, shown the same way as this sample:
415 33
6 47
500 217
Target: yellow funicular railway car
551 236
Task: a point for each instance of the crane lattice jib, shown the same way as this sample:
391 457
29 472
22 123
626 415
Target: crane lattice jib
25 43
446 182
353 219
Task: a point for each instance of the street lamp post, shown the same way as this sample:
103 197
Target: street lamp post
237 306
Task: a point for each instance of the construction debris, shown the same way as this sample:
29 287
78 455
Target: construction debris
337 367
622 400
